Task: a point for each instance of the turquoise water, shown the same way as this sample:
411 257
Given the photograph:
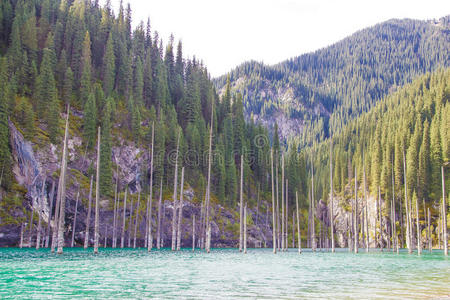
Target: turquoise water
222 274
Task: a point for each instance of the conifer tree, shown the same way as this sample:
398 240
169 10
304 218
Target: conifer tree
5 153
86 69
109 67
90 121
105 153
67 86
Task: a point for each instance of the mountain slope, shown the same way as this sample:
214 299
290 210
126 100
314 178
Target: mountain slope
311 94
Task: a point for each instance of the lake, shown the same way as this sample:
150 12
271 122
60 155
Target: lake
222 274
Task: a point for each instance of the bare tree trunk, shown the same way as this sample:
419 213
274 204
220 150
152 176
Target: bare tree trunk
356 215
381 218
136 219
286 231
97 196
62 192
88 219
193 232
56 217
274 237
293 229
278 207
402 236
366 207
116 200
419 246
21 236
175 183
39 229
299 239
257 207
283 226
180 212
130 222
444 215
208 224
149 235
245 228
122 238
106 236
158 233
408 214
49 220
241 206
75 218
331 195
430 241
394 221
313 208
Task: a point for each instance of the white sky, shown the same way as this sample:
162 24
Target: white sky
225 34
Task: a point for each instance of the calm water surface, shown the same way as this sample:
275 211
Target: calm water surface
222 274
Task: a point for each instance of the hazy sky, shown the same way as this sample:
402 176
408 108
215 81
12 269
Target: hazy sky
225 34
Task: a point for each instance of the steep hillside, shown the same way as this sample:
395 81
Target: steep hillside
319 92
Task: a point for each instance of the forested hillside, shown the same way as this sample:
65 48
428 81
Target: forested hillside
313 95
56 54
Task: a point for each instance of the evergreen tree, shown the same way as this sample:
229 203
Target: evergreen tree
86 69
109 66
424 171
5 153
105 152
90 121
68 86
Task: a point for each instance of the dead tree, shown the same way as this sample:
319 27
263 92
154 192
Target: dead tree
193 232
444 210
180 212
122 238
208 224
356 229
75 218
88 219
408 213
331 195
283 219
62 191
245 228
366 207
175 183
116 200
430 241
136 219
274 238
49 220
419 247
97 196
158 233
149 236
299 239
130 222
241 207
313 233
39 229
21 236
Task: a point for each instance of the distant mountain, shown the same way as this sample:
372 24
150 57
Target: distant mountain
314 93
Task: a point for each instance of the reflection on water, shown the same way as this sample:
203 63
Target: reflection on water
222 274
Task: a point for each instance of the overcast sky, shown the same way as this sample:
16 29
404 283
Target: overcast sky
225 34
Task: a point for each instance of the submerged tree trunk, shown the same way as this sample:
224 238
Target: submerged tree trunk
286 231
75 218
158 233
122 238
175 183
313 235
278 207
430 241
274 237
419 246
283 219
193 232
293 229
97 196
444 215
299 239
21 236
408 213
88 219
136 219
331 196
116 201
180 212
381 218
47 239
245 228
62 192
208 224
149 235
130 222
39 229
366 208
241 207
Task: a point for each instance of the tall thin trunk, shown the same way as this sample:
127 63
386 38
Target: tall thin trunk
408 214
75 218
381 218
331 195
299 239
366 204
180 211
136 219
130 222
245 228
274 237
56 217
241 207
278 206
116 200
49 220
122 238
208 224
430 241
356 230
257 206
283 226
201 240
30 236
402 236
158 233
106 236
394 227
88 219
444 210
21 236
62 192
419 246
148 235
286 231
293 229
193 232
313 235
175 183
39 229
97 197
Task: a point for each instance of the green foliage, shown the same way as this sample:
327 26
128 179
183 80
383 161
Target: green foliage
24 115
90 121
